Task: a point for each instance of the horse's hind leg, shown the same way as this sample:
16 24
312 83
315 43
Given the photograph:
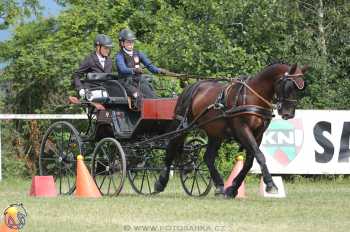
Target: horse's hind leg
209 158
175 146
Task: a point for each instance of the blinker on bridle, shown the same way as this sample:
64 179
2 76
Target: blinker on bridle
298 82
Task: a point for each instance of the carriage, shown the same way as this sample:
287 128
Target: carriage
118 143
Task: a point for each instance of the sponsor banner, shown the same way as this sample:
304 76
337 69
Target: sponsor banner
314 142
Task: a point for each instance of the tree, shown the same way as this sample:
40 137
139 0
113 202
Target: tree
12 10
225 38
327 22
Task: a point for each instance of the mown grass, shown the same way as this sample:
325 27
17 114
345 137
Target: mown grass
309 206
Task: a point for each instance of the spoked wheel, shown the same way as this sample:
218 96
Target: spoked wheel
143 174
194 173
109 166
59 148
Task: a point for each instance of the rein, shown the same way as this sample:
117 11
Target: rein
269 104
257 95
250 89
265 113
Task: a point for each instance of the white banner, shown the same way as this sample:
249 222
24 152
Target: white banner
314 142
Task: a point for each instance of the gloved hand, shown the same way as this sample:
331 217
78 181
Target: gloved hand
82 93
138 71
183 83
163 71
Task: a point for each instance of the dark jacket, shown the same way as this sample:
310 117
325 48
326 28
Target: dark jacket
91 64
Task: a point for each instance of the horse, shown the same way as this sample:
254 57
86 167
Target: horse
240 110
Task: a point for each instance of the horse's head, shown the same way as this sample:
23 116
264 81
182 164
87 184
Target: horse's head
286 89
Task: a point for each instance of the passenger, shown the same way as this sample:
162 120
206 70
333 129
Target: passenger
97 62
128 63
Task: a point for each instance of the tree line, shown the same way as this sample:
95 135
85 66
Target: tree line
204 37
214 38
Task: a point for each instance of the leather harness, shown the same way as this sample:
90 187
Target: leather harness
235 110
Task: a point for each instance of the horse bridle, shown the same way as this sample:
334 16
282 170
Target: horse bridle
280 97
280 83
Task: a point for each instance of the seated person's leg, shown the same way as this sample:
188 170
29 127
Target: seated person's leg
86 87
132 92
130 87
116 88
147 88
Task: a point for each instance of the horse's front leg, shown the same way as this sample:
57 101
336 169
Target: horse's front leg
232 191
270 186
209 158
251 145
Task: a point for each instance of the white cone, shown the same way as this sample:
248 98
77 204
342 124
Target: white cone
278 182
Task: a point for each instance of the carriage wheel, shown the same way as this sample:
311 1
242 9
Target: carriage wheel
194 174
144 174
59 148
109 166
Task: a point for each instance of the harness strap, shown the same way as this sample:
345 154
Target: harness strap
234 112
236 98
257 95
220 100
245 91
250 109
243 83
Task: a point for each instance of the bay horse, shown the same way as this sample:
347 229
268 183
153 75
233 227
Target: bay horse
240 110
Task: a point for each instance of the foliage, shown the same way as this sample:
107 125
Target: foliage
227 158
11 11
14 155
210 38
14 167
218 38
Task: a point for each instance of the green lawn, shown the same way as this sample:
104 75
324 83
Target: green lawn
309 206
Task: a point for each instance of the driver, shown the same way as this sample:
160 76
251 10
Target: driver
128 63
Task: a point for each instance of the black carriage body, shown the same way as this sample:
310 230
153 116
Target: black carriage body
118 120
122 123
119 141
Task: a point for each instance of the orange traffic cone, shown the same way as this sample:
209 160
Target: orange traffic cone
43 186
236 169
5 228
85 185
9 215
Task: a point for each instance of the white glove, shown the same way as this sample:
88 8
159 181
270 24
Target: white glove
82 93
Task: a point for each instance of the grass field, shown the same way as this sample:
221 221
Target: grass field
309 206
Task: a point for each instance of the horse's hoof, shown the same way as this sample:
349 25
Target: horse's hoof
230 192
219 191
271 188
158 187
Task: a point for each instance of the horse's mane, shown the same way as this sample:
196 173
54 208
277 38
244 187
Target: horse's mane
268 67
